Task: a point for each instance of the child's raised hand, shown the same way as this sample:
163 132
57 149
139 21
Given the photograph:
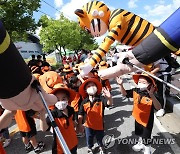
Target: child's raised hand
119 80
151 90
106 92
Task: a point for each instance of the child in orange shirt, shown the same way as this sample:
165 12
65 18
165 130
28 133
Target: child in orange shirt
27 128
63 115
143 109
93 107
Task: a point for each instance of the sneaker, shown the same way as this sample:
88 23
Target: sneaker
6 142
40 147
111 107
28 147
139 146
147 149
160 113
101 150
90 151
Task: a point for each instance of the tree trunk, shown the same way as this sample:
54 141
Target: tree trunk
59 52
76 52
64 50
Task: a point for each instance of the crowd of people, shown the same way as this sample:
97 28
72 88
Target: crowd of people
81 103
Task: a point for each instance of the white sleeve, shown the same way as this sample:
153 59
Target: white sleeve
157 62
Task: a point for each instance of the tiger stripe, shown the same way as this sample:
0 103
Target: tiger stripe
5 44
129 28
135 31
92 62
115 32
96 58
110 37
112 14
104 51
90 7
119 26
97 2
117 13
99 55
126 14
101 5
143 34
87 6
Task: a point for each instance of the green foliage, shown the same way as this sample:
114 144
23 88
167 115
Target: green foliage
64 34
82 40
17 16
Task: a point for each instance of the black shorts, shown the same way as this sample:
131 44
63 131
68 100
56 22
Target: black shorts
32 125
145 132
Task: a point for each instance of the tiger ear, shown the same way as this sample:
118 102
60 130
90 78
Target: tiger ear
80 13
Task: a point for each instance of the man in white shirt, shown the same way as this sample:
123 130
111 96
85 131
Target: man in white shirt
164 73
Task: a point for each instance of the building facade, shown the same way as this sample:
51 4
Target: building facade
31 47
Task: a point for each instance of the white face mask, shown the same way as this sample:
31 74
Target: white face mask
142 86
61 105
92 90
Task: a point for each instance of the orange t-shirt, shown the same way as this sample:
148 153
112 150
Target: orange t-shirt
141 109
94 112
66 127
2 151
22 121
75 102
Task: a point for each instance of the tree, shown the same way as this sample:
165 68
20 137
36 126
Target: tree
17 16
64 34
54 33
81 40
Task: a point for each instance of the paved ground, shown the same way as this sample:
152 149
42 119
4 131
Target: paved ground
119 124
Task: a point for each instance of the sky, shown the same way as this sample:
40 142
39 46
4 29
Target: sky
155 11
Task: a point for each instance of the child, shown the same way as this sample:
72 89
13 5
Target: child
74 84
63 115
93 106
143 109
67 73
27 128
4 132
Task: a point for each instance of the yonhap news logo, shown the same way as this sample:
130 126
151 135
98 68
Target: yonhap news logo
109 141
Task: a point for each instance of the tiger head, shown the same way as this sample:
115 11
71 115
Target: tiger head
94 18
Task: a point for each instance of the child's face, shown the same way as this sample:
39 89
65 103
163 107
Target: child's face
62 96
90 84
91 88
143 80
62 100
143 84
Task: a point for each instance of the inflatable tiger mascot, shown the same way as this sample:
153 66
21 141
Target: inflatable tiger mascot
124 26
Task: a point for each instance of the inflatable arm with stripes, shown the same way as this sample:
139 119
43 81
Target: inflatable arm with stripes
15 79
163 40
